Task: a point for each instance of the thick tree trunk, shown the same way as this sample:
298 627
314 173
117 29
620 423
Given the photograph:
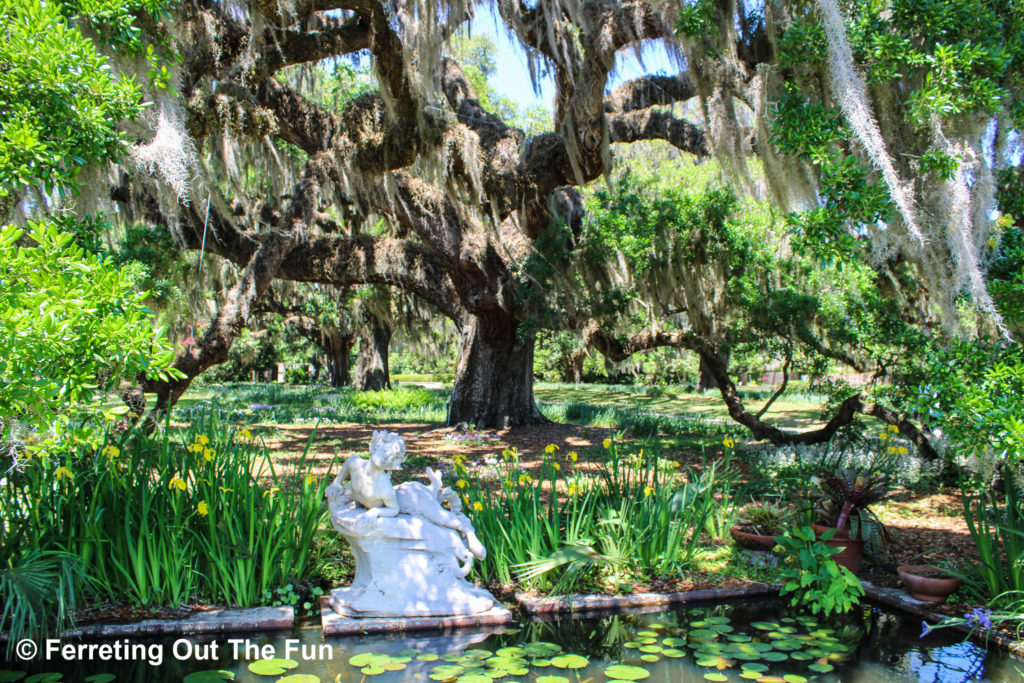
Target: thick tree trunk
338 352
572 366
372 372
232 317
494 380
706 379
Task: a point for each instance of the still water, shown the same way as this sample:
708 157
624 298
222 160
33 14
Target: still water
753 641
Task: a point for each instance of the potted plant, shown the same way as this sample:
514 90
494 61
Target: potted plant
847 495
928 583
759 523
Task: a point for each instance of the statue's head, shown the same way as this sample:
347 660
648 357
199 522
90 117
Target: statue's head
387 450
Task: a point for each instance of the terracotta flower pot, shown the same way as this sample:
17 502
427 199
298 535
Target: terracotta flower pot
928 588
853 548
751 541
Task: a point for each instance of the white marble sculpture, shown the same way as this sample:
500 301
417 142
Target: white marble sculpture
412 555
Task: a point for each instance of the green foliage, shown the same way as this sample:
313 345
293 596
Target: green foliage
59 99
810 575
72 324
996 525
634 516
158 522
37 591
848 497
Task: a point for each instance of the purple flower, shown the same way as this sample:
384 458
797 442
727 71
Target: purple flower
979 617
926 628
261 406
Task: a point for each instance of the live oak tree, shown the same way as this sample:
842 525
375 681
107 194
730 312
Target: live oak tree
869 121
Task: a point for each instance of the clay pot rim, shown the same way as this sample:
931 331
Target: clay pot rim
914 569
742 528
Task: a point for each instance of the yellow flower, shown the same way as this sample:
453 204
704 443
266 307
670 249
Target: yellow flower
892 450
508 483
202 508
309 480
63 473
884 436
514 453
728 443
574 456
574 489
270 492
208 454
196 448
478 506
524 478
550 448
894 429
459 459
902 450
245 434
505 453
225 490
110 451
648 490
556 466
607 443
202 440
177 482
462 483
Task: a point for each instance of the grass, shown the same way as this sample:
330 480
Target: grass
797 408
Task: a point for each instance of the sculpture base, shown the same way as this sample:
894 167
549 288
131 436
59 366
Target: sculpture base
336 624
458 598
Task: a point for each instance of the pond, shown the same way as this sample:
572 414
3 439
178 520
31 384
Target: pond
756 641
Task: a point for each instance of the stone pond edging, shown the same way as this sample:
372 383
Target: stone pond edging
212 621
336 624
550 606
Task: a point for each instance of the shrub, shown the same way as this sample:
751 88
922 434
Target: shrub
812 577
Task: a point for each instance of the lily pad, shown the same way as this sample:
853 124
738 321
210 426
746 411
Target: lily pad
511 652
820 668
372 670
299 678
794 678
542 649
9 675
647 634
627 672
673 652
473 678
572 661
208 676
715 676
100 678
446 671
429 657
754 666
774 656
49 677
552 679
271 667
764 625
650 649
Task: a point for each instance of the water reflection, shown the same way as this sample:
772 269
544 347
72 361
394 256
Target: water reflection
736 642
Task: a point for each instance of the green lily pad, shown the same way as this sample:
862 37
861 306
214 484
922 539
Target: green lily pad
511 652
209 676
372 670
473 678
446 671
49 677
100 678
774 656
542 649
753 666
651 649
673 652
299 678
541 662
650 659
794 678
552 679
627 672
800 656
750 675
647 634
764 625
271 667
9 675
571 661
673 642
429 657
715 676
820 668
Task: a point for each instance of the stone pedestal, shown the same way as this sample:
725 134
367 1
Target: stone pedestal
405 567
